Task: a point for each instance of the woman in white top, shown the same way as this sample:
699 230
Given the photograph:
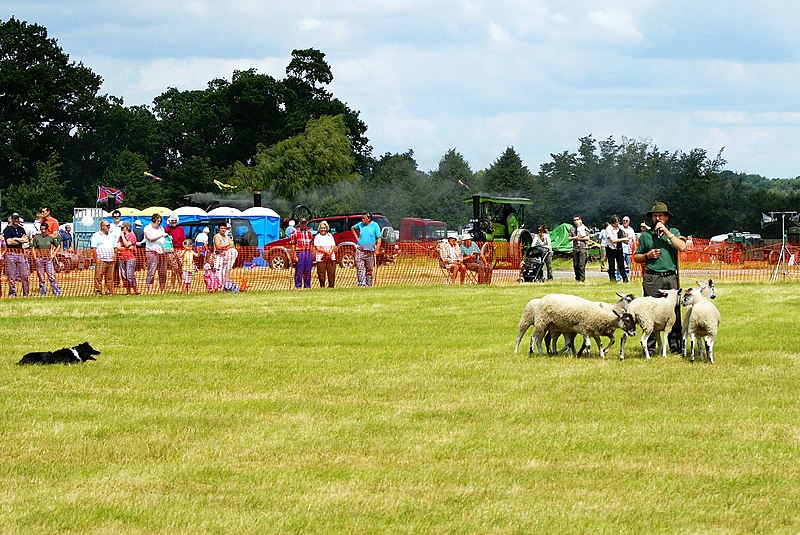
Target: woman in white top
155 259
325 248
225 253
615 238
543 238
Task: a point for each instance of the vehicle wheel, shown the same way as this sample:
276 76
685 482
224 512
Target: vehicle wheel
521 240
61 264
773 257
279 260
347 257
301 211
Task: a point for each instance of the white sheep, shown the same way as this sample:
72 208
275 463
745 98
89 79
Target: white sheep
654 315
702 319
562 313
526 320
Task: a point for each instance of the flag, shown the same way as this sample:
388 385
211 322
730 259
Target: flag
104 192
222 185
150 175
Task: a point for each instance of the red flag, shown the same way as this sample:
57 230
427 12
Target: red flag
104 192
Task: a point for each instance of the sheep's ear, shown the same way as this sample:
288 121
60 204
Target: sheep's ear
617 314
620 295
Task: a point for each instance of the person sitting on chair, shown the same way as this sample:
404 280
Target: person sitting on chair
451 259
474 259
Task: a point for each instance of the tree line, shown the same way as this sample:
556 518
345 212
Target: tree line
295 142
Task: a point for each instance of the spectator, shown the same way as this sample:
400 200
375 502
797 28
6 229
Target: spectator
65 235
474 259
603 237
211 278
302 242
154 250
188 265
202 238
224 253
626 246
289 229
325 247
37 226
115 228
451 259
368 233
17 267
658 250
579 236
615 237
45 247
542 239
52 222
104 244
138 231
126 248
177 236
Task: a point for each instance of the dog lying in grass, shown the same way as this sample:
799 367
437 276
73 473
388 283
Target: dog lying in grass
66 355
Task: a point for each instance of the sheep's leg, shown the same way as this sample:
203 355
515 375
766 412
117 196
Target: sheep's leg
710 349
539 335
599 343
611 343
622 341
691 338
663 338
645 336
522 330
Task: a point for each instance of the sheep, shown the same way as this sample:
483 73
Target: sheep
654 315
572 314
526 320
702 318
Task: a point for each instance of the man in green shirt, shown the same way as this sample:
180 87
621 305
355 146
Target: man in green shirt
45 248
658 249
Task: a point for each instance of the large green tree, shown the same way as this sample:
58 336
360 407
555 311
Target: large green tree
44 99
319 156
46 188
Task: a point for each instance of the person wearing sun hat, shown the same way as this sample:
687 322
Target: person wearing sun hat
658 250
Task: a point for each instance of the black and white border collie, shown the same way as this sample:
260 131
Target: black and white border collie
66 355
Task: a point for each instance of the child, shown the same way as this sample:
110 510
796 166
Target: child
189 254
210 278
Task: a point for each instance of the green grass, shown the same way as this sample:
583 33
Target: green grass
391 410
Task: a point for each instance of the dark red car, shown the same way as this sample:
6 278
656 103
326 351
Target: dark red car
278 253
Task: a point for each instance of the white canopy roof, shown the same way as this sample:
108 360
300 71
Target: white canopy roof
225 211
189 210
260 211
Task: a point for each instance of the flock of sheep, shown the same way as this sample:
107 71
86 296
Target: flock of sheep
556 315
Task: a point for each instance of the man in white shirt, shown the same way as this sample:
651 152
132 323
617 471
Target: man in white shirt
104 244
626 246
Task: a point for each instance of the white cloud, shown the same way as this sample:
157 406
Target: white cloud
479 75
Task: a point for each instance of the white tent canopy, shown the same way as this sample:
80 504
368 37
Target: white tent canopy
260 211
225 211
189 210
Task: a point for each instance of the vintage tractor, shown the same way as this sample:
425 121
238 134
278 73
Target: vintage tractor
497 221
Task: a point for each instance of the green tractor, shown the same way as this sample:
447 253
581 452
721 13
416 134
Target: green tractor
498 222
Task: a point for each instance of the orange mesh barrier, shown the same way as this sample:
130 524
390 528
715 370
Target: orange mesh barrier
74 271
409 264
726 261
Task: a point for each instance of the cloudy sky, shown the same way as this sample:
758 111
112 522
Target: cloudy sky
475 75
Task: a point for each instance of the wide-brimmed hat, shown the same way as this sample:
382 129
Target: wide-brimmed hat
659 207
466 236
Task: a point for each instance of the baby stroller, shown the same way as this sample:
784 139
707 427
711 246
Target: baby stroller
533 266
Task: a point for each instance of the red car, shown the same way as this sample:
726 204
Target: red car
278 253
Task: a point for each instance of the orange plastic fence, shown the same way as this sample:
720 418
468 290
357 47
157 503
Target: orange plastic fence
409 264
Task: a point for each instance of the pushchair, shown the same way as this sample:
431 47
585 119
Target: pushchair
532 267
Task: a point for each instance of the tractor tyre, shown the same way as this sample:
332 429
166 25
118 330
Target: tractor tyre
521 240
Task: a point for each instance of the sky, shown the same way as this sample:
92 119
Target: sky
478 76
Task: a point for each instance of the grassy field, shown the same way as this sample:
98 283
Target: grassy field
391 410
